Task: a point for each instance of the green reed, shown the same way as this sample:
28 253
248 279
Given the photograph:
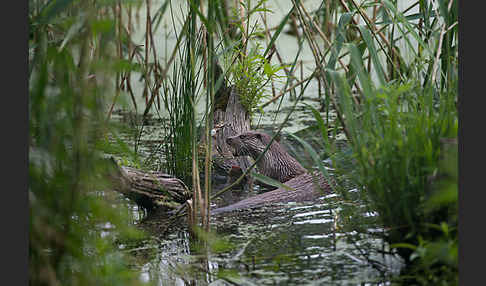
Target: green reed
179 96
396 111
396 142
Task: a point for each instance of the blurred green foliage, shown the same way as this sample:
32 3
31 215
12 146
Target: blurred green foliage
408 173
72 227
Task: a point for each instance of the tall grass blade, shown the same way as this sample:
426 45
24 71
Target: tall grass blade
373 53
340 39
345 106
322 126
412 17
315 157
53 8
357 64
204 20
159 14
409 28
270 181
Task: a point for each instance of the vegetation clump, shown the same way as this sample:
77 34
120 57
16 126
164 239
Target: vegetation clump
73 228
397 143
251 73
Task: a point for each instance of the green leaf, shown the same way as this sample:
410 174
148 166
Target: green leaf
315 157
340 39
102 25
363 76
345 104
267 69
322 126
270 181
373 53
123 65
403 245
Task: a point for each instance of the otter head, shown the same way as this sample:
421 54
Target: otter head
250 143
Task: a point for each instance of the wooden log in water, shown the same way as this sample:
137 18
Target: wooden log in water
149 189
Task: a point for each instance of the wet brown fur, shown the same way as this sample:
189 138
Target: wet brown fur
305 187
279 165
276 162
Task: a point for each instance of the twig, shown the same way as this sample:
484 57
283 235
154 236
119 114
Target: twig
375 32
285 91
439 48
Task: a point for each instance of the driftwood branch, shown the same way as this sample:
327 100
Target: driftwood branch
149 189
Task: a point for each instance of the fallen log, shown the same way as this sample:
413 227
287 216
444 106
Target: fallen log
149 189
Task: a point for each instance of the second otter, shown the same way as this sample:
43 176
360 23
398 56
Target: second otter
276 163
279 165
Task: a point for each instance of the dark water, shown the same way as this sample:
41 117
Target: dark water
293 244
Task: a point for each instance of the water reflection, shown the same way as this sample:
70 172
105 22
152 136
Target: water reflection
293 244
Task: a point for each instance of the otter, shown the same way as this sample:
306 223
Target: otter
305 187
279 165
276 163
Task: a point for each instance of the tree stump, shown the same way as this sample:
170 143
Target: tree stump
234 120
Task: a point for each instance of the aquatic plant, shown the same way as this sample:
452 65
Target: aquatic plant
395 113
251 74
180 95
